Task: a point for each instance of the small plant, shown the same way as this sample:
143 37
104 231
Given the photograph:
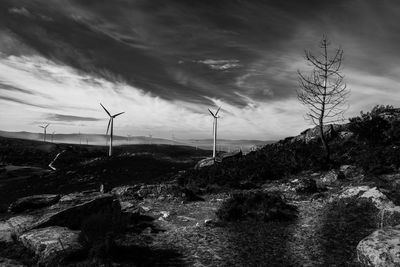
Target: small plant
256 205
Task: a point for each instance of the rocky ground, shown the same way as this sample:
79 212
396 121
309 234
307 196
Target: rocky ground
335 213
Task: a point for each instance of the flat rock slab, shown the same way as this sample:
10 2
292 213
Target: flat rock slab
70 211
52 243
15 226
33 202
74 208
381 248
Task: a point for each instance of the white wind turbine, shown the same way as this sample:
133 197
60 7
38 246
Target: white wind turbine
215 130
110 122
44 131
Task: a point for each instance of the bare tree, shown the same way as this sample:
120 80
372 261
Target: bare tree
323 91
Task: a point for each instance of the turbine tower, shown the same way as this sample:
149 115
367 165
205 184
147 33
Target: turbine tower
215 116
110 123
44 130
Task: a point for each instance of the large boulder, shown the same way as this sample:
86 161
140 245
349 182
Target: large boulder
381 248
33 202
389 213
14 226
74 208
52 244
70 211
204 163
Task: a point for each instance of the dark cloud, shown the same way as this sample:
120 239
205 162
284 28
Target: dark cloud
11 88
19 101
196 50
69 118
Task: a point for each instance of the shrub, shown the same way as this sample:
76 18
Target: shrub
257 205
345 222
98 232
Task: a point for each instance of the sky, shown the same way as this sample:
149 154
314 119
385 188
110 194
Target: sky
164 63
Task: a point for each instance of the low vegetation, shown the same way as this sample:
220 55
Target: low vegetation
256 205
374 146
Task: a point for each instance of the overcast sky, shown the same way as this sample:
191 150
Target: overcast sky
165 62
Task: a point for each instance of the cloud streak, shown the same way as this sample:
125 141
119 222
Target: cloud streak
184 56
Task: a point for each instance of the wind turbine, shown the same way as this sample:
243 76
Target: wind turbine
52 136
110 123
44 129
215 130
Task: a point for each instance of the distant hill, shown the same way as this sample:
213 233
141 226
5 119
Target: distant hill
101 139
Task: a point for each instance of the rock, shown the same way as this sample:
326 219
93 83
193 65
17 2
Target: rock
345 135
4 262
304 185
33 202
389 213
14 226
74 208
126 205
207 162
381 248
350 171
331 177
70 211
52 244
231 155
127 191
165 214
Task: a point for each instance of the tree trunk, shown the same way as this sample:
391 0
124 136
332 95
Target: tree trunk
324 143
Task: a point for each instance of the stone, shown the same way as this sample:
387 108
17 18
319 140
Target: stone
389 213
33 202
165 214
231 155
207 162
331 177
74 208
4 262
350 171
345 135
14 226
381 248
52 244
306 185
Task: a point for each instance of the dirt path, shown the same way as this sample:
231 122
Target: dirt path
235 244
302 242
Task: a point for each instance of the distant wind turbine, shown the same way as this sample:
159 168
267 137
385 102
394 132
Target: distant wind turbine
110 123
215 130
44 130
52 136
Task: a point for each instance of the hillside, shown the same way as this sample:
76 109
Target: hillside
282 203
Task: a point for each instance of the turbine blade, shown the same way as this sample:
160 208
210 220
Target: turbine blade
211 113
216 113
105 110
41 126
108 126
118 114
